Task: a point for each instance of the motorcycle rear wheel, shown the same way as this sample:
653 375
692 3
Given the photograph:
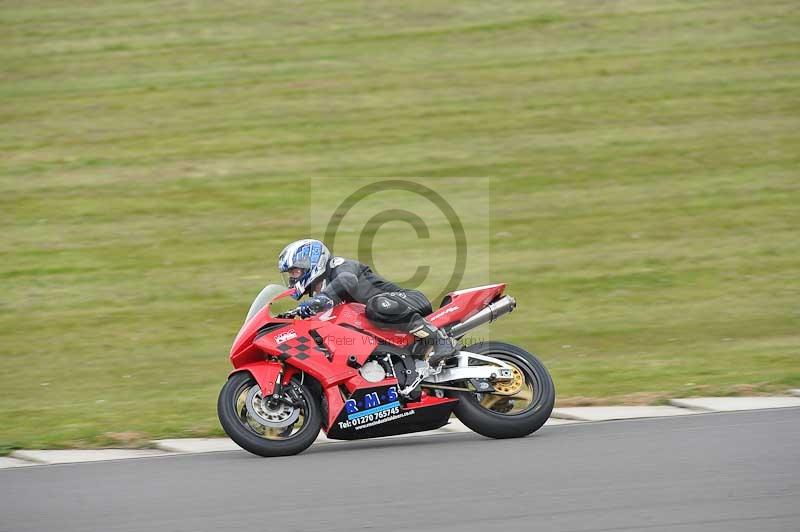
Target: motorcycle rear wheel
503 416
253 436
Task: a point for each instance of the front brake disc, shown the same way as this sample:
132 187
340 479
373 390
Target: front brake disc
270 414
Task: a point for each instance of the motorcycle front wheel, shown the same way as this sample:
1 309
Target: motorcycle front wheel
520 406
267 427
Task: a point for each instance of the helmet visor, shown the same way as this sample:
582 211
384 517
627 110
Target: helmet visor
291 282
288 280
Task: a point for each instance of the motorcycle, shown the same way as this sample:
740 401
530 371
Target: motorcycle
339 373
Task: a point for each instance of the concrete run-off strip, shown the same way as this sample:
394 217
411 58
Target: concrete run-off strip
732 404
94 455
609 413
6 462
211 445
560 416
196 445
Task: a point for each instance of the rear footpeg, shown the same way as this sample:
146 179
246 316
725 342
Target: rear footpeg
424 370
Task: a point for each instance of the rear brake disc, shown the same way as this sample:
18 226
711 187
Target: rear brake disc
512 386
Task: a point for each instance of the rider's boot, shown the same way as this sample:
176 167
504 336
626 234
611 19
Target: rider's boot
444 346
439 346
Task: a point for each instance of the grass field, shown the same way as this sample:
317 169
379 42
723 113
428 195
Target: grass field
643 157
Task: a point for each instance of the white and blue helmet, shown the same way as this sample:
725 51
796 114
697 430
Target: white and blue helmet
309 255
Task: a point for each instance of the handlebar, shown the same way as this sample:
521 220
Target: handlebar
290 314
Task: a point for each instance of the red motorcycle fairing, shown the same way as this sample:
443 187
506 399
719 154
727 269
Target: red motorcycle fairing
462 304
243 344
265 372
375 411
332 355
354 315
321 349
331 346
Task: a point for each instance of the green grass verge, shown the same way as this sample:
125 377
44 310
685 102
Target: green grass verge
643 158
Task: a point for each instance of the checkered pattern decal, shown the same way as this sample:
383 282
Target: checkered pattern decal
296 347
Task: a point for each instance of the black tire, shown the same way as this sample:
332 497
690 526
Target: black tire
247 438
497 425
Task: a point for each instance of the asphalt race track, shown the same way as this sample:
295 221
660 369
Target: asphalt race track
711 472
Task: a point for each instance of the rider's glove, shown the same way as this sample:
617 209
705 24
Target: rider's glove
315 304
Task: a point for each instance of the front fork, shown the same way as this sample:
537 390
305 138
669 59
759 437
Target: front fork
273 379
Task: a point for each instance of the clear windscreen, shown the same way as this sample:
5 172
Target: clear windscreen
270 292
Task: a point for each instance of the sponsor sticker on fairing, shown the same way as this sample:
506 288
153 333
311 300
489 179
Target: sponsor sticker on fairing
373 409
444 312
285 336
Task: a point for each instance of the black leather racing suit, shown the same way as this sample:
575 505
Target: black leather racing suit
387 305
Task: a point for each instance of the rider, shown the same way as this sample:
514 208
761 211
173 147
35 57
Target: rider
307 266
